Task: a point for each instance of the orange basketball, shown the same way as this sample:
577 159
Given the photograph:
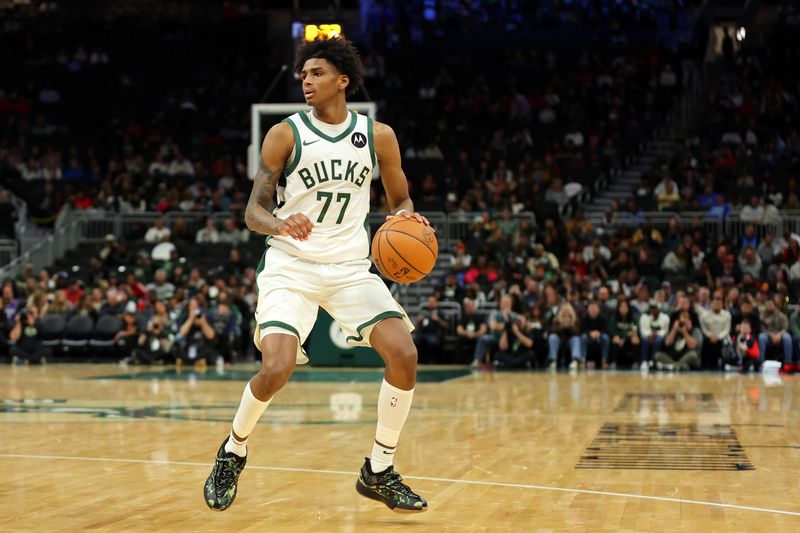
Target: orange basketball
404 250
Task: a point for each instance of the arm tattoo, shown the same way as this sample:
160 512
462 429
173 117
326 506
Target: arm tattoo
258 216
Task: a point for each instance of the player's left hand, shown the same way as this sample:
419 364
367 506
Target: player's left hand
416 216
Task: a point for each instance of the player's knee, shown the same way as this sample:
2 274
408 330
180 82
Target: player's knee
278 366
405 354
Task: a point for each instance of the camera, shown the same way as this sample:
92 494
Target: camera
198 313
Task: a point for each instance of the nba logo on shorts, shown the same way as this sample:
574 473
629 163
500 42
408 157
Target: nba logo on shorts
393 403
359 140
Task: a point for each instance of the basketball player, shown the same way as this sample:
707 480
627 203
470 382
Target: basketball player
318 255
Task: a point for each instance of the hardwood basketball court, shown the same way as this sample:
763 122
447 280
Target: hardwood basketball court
104 447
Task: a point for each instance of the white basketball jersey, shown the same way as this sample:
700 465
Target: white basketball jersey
328 180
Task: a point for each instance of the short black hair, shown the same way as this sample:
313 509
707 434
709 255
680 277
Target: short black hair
340 53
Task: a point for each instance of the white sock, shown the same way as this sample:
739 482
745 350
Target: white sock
235 446
250 410
393 406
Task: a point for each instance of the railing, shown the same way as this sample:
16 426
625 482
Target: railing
8 250
460 225
713 227
449 228
74 227
134 225
67 235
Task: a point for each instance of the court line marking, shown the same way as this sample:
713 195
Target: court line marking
423 478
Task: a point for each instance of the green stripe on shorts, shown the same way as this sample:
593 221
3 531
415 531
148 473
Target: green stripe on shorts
377 318
279 324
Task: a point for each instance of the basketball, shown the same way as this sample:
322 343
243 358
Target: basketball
404 250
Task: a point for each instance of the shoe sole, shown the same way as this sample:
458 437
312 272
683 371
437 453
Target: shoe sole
365 491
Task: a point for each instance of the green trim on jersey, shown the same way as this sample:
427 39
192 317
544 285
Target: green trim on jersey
298 148
279 324
377 318
371 141
263 262
369 237
345 133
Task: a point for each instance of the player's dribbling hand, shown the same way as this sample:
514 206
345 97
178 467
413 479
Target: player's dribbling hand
416 216
296 226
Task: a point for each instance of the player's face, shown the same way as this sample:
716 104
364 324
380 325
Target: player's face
321 81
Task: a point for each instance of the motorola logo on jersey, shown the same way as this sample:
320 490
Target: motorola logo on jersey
359 140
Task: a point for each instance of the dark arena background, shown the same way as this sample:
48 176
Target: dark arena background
608 340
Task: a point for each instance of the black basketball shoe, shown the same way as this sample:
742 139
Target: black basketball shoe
389 488
220 488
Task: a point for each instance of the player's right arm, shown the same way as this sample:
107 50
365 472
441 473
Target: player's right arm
277 148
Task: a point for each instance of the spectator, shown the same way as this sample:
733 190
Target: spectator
668 79
595 330
684 303
207 234
677 261
774 333
127 336
452 291
154 344
11 304
768 250
565 326
715 323
195 338
74 292
681 345
515 347
158 167
753 212
596 251
747 352
556 193
606 302
497 322
180 166
158 233
749 238
669 198
673 236
26 340
750 262
647 234
163 289
720 210
536 331
114 303
653 326
625 342
226 325
235 265
470 327
746 312
431 328
230 233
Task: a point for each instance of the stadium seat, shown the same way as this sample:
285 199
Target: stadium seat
77 334
103 338
52 330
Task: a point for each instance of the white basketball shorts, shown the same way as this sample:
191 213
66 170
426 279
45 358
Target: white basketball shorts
291 291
